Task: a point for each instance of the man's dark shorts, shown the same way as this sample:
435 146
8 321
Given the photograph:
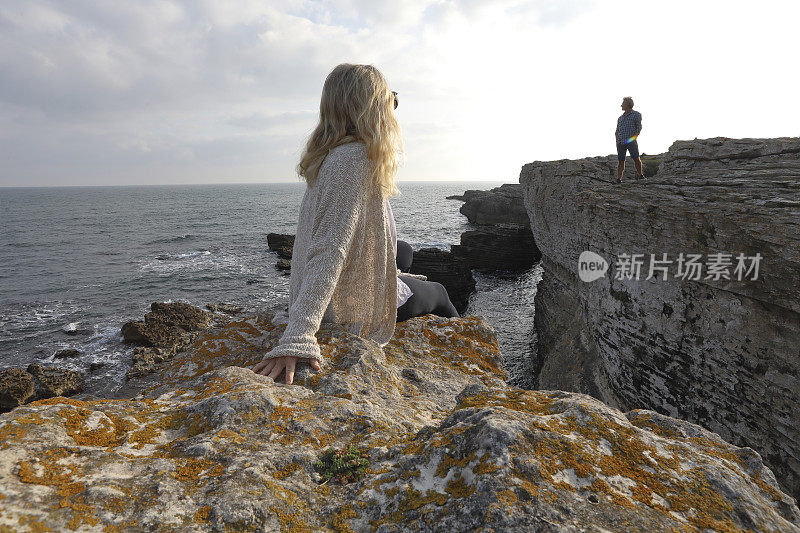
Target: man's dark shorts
632 147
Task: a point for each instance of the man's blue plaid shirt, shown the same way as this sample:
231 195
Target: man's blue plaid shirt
628 126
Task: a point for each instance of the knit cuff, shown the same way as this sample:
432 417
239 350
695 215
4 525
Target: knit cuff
301 350
409 275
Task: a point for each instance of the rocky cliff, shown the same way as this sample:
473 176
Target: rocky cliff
724 353
430 438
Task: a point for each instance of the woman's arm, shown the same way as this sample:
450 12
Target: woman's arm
341 197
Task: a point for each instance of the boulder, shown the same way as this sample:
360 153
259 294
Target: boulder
499 247
66 353
18 386
224 308
168 328
281 244
51 381
501 205
723 353
442 444
445 268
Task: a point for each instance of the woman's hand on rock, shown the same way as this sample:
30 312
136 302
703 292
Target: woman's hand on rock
273 367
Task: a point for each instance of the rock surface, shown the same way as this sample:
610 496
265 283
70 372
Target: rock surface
281 244
501 205
167 329
502 239
209 445
501 247
722 353
18 386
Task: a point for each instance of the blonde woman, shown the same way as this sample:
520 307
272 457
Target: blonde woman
344 266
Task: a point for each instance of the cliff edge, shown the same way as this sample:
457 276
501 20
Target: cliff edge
721 349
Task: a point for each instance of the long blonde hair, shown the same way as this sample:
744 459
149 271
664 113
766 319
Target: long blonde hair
356 105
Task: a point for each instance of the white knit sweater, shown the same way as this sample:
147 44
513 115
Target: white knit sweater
343 264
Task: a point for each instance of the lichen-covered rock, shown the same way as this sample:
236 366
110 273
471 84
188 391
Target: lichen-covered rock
723 353
209 445
167 329
51 381
18 386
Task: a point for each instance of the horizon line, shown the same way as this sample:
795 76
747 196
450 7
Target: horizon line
298 182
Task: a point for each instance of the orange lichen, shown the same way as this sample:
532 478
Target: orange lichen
287 471
290 522
458 488
339 520
194 472
203 515
414 499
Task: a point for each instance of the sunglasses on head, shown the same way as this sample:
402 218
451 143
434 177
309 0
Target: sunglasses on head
394 93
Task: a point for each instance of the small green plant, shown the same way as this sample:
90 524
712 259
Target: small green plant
342 466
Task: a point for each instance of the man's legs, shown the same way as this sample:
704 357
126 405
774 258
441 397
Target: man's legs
638 163
633 146
621 149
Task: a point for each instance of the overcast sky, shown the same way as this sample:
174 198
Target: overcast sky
145 92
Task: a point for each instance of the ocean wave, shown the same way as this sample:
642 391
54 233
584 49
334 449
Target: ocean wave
178 238
179 257
216 264
21 320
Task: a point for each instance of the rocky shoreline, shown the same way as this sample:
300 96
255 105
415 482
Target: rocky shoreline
442 444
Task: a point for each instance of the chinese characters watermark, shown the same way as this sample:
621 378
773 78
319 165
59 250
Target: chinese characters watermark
717 266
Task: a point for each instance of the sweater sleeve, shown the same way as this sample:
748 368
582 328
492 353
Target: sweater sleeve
341 198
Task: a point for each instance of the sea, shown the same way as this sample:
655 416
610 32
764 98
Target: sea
76 263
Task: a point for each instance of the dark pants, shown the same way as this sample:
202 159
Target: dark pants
428 297
631 147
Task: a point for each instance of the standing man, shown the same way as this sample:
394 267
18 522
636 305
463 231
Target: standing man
629 126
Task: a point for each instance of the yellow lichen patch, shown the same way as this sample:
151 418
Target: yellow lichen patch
458 488
290 522
486 465
506 497
229 434
108 431
448 461
194 472
414 499
32 524
464 344
287 471
47 469
647 423
530 402
50 470
12 432
339 520
583 446
58 400
203 515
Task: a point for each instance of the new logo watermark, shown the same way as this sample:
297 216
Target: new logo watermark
591 266
715 267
